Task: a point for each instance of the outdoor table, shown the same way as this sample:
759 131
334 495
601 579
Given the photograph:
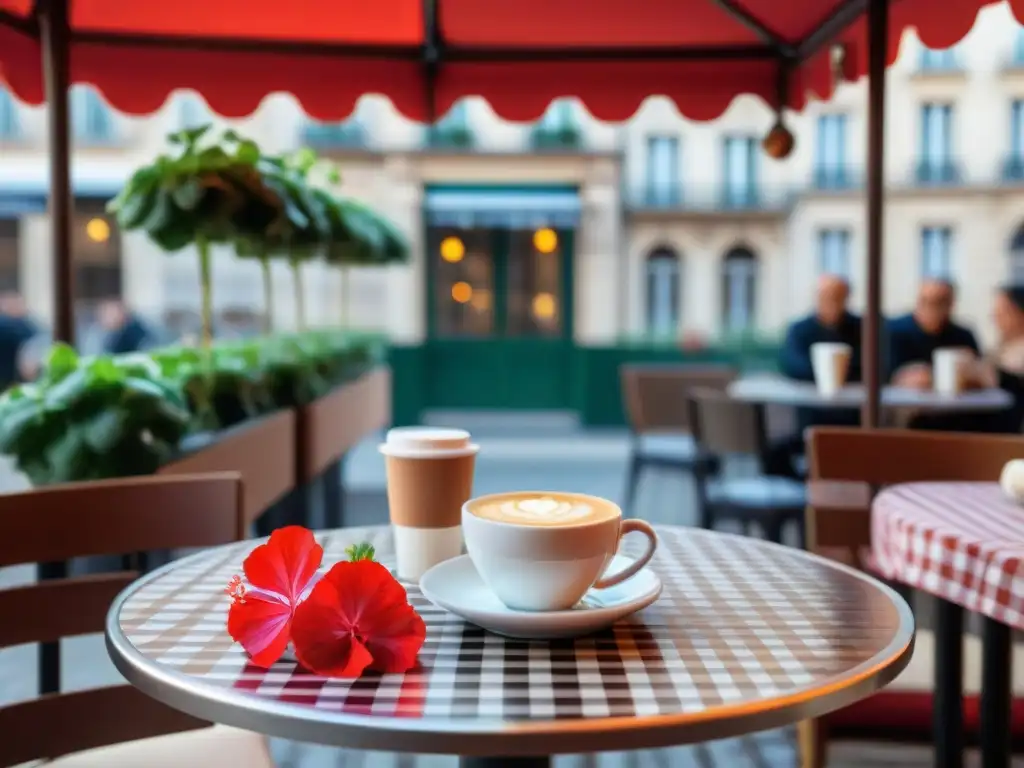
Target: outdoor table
963 543
778 390
746 636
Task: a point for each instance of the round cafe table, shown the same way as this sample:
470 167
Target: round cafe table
746 636
778 390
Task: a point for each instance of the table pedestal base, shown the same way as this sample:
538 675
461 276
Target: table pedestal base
504 762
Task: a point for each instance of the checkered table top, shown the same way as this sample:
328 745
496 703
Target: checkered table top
961 541
746 635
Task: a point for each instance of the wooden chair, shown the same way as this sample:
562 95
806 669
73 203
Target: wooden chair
839 527
659 420
114 727
723 426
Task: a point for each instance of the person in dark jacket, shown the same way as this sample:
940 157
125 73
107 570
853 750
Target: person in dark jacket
16 329
831 321
124 331
912 339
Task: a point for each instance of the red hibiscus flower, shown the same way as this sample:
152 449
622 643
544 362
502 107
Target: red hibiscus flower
279 573
357 617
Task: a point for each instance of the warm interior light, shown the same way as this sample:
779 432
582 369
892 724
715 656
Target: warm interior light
545 240
481 300
97 230
452 250
462 292
544 306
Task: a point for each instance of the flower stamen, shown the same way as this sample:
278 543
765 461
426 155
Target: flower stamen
236 590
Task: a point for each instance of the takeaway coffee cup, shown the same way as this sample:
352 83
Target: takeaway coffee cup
949 370
830 362
430 477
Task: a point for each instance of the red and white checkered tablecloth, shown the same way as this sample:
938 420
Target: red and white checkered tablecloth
963 542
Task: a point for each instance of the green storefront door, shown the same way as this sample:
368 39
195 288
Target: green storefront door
499 305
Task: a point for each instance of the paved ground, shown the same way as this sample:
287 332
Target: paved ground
515 457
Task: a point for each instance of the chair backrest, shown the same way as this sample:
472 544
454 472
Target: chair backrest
840 527
113 517
722 425
654 396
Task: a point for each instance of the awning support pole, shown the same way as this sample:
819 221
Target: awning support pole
871 342
55 35
56 38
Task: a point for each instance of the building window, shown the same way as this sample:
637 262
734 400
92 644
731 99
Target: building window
559 127
1017 56
830 171
935 163
9 258
740 171
10 128
1013 168
91 119
834 252
662 269
347 133
939 59
192 111
1017 257
937 253
663 188
739 290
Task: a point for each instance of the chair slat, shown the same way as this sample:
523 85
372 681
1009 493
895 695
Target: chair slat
62 608
119 516
59 724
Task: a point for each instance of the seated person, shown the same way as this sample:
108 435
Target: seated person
830 322
912 339
1005 367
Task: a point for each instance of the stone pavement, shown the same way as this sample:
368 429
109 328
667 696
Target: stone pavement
511 459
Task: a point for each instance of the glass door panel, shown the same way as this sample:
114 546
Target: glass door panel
535 284
464 270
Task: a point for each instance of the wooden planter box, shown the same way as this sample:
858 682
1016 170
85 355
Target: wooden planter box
327 428
263 451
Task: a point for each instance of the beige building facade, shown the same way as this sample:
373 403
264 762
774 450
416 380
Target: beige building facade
677 227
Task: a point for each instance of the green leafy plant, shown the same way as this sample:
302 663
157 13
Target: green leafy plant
361 551
92 418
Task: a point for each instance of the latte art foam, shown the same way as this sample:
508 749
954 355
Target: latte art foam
539 510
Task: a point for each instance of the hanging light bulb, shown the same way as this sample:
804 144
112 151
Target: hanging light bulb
837 63
779 142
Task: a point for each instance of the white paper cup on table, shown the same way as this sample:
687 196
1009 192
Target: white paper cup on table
949 370
430 477
830 362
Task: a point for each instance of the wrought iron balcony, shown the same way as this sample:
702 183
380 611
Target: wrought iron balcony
446 136
719 198
938 173
563 139
836 179
1013 169
349 134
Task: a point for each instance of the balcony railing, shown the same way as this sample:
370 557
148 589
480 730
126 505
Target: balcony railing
938 173
564 138
346 135
718 198
836 179
1013 169
939 61
455 137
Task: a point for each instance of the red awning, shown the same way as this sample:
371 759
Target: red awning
518 54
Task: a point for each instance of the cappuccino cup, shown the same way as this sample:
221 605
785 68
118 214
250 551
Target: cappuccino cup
542 551
949 370
830 362
429 477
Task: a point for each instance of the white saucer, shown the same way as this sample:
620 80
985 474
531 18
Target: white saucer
456 586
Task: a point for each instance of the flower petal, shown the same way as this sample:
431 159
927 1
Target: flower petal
358 604
285 563
322 636
261 625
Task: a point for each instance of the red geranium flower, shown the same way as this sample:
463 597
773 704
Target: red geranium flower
279 573
357 617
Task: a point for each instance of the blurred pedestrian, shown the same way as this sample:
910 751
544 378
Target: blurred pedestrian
16 329
124 331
